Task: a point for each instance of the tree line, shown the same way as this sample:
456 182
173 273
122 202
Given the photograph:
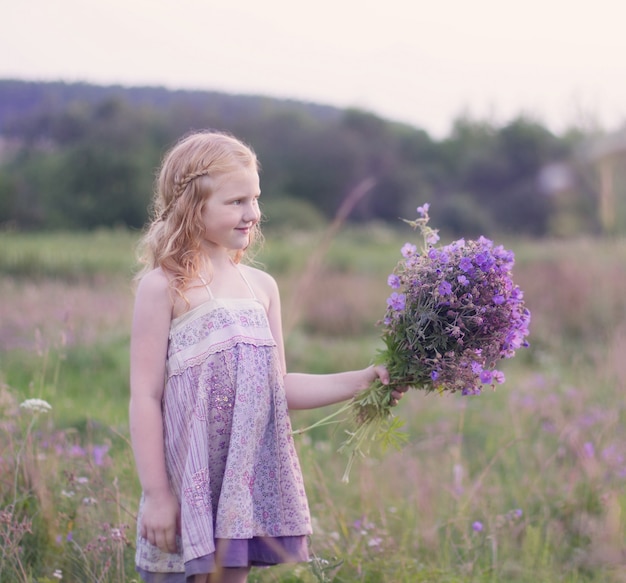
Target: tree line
79 156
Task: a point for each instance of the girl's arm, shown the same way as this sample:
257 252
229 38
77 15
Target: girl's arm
309 391
148 351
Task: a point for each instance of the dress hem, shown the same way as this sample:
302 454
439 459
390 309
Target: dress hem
233 553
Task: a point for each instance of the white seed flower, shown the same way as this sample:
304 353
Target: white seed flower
116 534
36 405
58 574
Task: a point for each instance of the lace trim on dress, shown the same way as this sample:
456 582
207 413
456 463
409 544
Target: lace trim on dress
213 327
214 349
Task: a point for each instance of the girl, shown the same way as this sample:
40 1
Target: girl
222 487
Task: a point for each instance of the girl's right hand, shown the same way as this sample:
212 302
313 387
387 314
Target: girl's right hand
160 521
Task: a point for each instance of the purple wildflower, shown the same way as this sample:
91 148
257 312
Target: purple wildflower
408 250
457 245
477 526
77 451
588 450
393 281
434 375
484 261
396 301
462 280
423 210
432 238
444 289
98 452
498 377
466 264
486 377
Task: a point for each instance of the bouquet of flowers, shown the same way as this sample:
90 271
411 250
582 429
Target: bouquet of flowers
453 313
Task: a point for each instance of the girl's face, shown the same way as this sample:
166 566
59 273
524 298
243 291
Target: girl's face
232 209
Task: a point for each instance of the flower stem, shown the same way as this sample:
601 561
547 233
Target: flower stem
328 420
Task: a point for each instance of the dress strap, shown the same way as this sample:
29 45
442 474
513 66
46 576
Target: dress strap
206 285
247 282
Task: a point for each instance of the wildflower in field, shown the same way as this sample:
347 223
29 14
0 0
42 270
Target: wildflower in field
99 452
69 537
477 526
36 406
58 574
588 450
453 314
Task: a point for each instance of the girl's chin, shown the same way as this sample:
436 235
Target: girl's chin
241 240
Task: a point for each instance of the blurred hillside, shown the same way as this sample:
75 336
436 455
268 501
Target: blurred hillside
80 156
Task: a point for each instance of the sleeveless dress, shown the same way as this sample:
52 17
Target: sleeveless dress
229 452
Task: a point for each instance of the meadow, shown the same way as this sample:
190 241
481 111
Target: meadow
524 484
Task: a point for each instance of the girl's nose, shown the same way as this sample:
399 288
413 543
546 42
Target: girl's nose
253 214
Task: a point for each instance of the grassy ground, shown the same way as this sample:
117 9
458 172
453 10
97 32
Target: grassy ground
523 485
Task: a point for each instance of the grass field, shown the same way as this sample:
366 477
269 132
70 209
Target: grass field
526 484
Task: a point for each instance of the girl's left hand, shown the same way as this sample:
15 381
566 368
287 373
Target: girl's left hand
382 373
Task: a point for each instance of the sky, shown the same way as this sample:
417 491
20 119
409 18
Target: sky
426 63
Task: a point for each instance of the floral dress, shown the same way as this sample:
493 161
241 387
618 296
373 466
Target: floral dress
229 452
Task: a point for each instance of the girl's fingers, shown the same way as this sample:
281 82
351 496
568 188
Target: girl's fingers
382 373
397 394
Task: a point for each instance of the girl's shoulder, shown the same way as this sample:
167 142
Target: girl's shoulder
263 283
153 296
155 278
154 283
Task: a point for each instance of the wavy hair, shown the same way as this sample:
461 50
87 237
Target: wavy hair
187 177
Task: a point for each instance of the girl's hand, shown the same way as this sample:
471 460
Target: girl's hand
382 373
161 521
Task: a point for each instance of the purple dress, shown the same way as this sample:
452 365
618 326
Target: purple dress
229 452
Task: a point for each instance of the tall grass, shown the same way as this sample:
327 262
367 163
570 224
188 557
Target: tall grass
71 256
525 484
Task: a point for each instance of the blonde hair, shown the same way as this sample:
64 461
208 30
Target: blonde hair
187 176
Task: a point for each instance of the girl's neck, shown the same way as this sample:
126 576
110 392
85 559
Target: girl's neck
216 261
216 255
222 274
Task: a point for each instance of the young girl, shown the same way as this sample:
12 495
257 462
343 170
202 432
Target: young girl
222 487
